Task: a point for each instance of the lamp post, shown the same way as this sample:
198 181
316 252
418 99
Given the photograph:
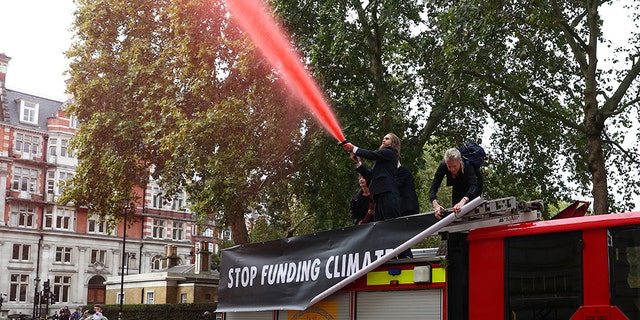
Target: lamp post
130 207
36 296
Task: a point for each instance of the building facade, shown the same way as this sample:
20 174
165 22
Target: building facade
41 240
186 283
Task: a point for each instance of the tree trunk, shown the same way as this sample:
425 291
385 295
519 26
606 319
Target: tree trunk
598 170
238 226
594 118
596 163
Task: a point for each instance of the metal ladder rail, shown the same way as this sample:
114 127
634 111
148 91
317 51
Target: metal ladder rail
497 212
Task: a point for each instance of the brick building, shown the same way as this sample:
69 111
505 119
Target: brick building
72 249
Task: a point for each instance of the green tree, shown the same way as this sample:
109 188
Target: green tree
382 76
432 71
172 90
535 66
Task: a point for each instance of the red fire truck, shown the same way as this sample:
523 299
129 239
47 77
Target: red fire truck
500 263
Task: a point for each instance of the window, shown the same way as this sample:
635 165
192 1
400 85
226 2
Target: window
59 146
59 218
624 264
208 232
29 112
21 252
215 247
177 203
23 216
64 176
60 182
156 198
63 254
120 298
64 152
94 225
64 219
160 201
130 259
178 231
150 297
73 122
19 285
158 229
48 218
99 256
183 298
545 267
24 179
53 146
27 143
51 182
61 287
225 234
210 247
156 263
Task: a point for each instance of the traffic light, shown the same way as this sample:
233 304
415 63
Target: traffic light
54 298
44 298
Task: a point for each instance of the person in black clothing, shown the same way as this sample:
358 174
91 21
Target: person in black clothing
461 175
205 316
362 203
65 314
361 206
407 189
382 176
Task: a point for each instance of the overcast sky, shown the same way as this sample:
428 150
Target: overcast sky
35 34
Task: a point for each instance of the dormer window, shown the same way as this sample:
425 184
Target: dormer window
73 122
29 112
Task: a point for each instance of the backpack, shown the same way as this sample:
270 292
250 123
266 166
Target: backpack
473 153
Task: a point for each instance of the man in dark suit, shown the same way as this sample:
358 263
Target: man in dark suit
382 176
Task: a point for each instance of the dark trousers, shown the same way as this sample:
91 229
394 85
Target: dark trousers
387 205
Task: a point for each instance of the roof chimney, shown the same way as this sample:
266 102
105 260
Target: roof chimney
4 64
4 106
203 259
171 253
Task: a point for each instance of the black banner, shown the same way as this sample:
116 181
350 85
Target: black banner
286 274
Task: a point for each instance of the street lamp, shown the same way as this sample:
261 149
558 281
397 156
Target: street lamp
128 208
36 296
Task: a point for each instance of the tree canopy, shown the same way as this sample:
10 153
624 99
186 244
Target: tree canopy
537 68
173 90
528 68
169 90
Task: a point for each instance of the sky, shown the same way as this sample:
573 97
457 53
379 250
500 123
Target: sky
35 34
